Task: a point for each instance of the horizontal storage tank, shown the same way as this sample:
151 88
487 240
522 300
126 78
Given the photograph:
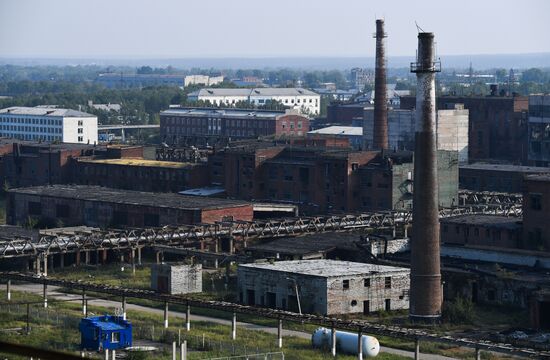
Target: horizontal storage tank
345 342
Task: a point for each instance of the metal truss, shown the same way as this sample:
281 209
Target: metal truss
468 197
326 321
239 231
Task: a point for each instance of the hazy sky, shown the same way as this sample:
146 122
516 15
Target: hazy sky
266 28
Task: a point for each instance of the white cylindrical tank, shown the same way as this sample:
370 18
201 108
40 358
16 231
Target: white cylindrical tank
345 342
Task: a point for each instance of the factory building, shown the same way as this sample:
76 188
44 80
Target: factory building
496 177
539 130
307 101
176 278
452 130
140 174
497 128
327 287
195 125
353 133
536 212
346 114
102 207
48 124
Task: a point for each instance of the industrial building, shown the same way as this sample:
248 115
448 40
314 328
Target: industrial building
48 124
201 125
539 130
202 80
353 133
141 175
325 287
346 114
176 278
536 212
102 207
105 332
452 130
307 101
497 128
496 177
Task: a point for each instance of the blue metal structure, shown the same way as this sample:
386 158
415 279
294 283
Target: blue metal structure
105 332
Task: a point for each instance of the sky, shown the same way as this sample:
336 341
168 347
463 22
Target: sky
266 28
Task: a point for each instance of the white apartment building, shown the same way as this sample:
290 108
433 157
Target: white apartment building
296 98
48 124
202 79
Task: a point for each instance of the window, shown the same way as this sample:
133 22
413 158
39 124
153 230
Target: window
80 130
366 282
345 284
353 302
80 122
115 337
80 139
387 282
536 201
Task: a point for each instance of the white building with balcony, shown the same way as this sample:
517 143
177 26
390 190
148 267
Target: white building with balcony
48 124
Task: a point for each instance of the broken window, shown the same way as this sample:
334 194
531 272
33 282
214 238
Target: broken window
387 282
366 282
345 284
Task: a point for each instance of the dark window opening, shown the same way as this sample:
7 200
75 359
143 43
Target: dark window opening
366 282
345 284
387 282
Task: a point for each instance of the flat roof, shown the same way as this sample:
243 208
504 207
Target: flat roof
325 268
487 220
43 111
339 130
237 113
310 243
505 167
140 162
260 91
129 197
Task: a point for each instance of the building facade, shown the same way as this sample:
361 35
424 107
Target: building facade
326 287
496 177
176 278
202 80
73 205
539 130
48 124
304 100
192 125
536 212
497 128
452 130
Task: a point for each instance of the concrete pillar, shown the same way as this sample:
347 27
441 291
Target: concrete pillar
121 256
84 304
61 260
45 295
478 354
133 260
417 349
124 307
106 354
159 257
114 354
77 258
86 257
183 350
37 265
231 244
406 231
174 348
166 314
104 256
215 263
8 290
45 272
394 232
333 341
139 255
360 345
234 327
188 318
280 334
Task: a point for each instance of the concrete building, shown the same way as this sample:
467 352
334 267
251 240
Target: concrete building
496 177
361 77
326 287
353 133
102 207
452 130
140 174
539 130
202 80
176 279
196 125
304 100
48 124
497 127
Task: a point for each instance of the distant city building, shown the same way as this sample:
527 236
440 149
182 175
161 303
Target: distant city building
202 80
305 100
353 133
105 107
394 96
497 127
326 287
452 130
336 94
346 114
196 125
539 130
361 77
122 80
48 124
